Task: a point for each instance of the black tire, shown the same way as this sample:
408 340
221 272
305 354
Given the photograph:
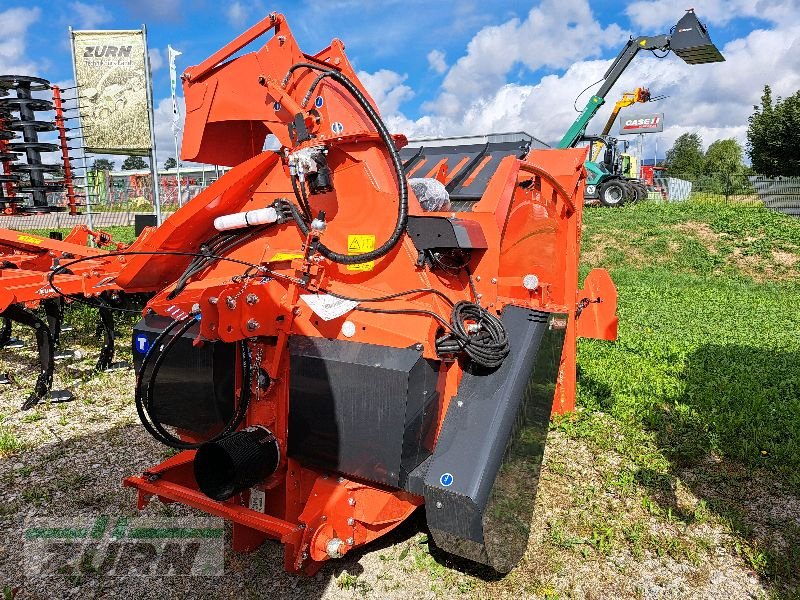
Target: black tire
639 191
613 193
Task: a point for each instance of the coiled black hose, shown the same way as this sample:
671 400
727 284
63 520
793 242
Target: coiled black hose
487 346
402 186
144 394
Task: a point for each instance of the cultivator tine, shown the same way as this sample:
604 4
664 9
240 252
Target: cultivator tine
45 347
54 309
6 339
105 361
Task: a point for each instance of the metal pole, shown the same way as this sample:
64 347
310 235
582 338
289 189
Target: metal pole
153 165
81 149
178 169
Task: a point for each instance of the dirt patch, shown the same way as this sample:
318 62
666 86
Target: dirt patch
599 246
785 259
702 232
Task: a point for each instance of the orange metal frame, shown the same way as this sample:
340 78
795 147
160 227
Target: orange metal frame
530 215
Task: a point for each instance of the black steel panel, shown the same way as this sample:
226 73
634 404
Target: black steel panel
195 385
361 409
480 484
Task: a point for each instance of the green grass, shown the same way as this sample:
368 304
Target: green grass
703 382
708 358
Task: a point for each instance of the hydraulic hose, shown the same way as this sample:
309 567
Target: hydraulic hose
402 185
145 398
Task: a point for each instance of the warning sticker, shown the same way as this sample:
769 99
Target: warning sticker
328 307
361 244
257 499
283 256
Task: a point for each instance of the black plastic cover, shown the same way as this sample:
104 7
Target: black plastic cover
363 410
480 484
195 385
443 233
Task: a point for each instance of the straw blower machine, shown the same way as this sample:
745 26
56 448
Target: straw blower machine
334 345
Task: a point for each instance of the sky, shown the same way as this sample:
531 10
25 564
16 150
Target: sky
461 67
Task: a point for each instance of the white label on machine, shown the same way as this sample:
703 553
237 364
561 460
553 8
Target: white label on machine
328 307
257 499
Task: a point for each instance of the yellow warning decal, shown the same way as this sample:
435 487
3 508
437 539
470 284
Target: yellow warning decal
283 256
29 239
360 244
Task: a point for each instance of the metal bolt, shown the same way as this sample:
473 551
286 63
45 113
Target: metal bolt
252 325
325 476
494 279
480 296
438 505
460 403
351 521
350 541
230 302
340 480
195 307
351 501
334 548
302 526
419 347
477 278
213 300
323 518
305 555
251 299
296 311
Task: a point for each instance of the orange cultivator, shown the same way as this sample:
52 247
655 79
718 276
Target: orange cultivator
334 345
27 264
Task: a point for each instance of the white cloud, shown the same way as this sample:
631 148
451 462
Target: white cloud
387 89
165 142
555 34
13 57
157 59
436 61
237 14
656 16
89 16
713 100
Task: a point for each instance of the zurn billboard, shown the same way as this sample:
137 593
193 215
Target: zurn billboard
652 123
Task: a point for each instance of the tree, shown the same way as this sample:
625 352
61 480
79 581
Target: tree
102 164
170 163
773 135
724 156
133 163
686 158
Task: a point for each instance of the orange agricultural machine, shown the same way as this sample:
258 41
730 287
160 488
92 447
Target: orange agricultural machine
333 345
28 263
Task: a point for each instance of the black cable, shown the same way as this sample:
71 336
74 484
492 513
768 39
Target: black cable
575 102
145 398
62 269
486 346
402 185
301 200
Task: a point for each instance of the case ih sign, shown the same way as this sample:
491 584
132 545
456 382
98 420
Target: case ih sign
653 123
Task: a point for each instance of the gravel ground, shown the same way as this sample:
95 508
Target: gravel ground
592 537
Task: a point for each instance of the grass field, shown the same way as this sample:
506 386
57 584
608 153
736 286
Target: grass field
678 477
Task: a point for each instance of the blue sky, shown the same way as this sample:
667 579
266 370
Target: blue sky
458 67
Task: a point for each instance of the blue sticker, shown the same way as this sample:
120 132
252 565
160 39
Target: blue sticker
277 106
337 127
446 479
319 102
141 343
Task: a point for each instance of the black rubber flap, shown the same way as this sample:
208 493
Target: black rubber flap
480 484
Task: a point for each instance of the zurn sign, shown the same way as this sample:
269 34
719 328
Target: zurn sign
652 123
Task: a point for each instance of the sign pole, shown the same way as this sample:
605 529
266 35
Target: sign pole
173 78
153 165
81 150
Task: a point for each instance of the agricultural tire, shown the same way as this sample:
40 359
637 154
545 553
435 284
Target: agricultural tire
613 193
